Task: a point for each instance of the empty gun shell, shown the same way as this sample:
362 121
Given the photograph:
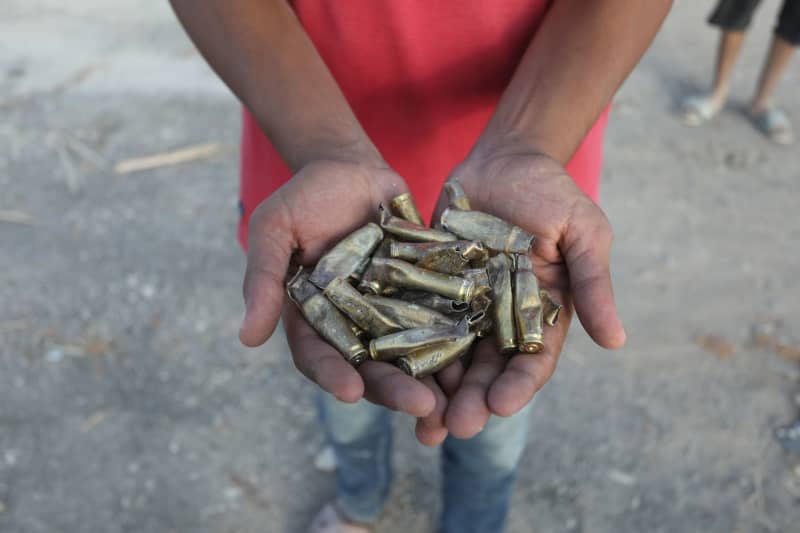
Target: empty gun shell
370 286
431 359
408 231
502 311
350 302
326 320
456 196
347 256
357 331
495 233
414 251
444 305
527 306
444 261
382 250
479 317
404 207
551 309
390 347
481 279
476 252
409 314
404 275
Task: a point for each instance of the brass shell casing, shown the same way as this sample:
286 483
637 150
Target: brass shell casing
431 359
390 347
404 207
481 279
456 196
348 256
502 311
409 314
550 309
444 261
414 251
480 316
447 306
527 306
408 231
353 304
495 233
404 275
326 320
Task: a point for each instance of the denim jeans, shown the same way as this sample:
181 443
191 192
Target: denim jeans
479 473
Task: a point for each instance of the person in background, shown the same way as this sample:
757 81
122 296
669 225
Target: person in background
733 18
349 103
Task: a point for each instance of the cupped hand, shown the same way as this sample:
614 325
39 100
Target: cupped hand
571 261
297 224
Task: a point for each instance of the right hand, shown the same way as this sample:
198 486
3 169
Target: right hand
321 204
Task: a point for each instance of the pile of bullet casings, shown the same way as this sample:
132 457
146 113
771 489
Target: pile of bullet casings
419 297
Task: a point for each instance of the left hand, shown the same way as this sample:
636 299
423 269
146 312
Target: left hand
571 260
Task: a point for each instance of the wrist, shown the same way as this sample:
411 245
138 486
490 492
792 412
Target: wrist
500 143
353 149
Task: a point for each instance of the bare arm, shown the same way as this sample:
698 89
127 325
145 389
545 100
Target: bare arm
580 56
260 50
583 51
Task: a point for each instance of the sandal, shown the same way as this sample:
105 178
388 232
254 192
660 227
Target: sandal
775 125
698 109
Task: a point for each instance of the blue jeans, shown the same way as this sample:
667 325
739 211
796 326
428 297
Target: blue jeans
479 473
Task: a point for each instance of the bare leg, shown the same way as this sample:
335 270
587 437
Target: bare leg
780 52
730 43
698 109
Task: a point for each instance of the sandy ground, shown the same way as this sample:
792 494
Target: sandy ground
127 404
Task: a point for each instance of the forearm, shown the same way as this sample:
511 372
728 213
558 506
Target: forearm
581 54
261 51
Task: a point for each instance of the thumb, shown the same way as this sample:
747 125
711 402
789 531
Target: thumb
270 248
587 248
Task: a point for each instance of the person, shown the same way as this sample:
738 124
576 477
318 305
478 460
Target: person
349 104
733 18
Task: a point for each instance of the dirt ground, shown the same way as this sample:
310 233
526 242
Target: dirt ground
127 404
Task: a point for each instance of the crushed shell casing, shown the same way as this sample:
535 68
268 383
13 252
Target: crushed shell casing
326 320
494 232
527 307
404 207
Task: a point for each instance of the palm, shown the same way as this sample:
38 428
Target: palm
570 258
298 223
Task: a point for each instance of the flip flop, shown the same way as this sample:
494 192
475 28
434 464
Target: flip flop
775 125
698 109
789 436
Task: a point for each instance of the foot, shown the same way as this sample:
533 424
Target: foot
699 109
774 124
331 520
789 436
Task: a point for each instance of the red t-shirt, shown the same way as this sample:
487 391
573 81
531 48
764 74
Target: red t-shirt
423 77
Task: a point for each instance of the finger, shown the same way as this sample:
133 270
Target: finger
430 429
319 361
524 375
587 257
389 386
269 250
449 378
468 410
